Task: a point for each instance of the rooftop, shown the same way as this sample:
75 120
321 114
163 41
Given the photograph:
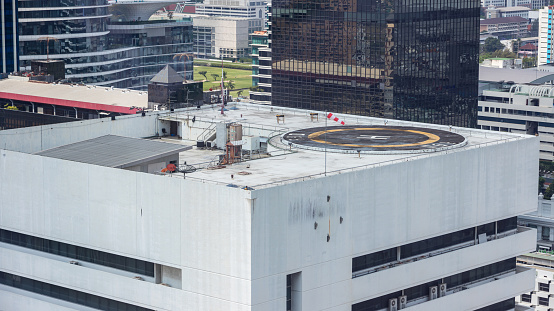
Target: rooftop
281 162
513 9
289 163
167 75
531 75
503 20
114 151
80 96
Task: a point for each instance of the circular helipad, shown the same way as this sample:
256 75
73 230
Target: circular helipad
374 139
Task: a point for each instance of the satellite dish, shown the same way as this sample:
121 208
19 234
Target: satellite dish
171 167
185 168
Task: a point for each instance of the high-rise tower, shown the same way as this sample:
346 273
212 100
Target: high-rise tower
9 55
399 59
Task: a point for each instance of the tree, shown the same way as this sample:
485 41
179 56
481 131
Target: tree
503 54
529 62
541 183
224 75
231 85
203 73
215 76
239 93
549 191
492 44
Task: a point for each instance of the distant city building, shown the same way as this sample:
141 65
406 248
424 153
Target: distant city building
505 27
532 4
540 299
254 11
508 12
261 62
239 8
9 52
104 43
543 259
261 68
220 37
520 108
68 100
528 50
545 35
387 63
513 63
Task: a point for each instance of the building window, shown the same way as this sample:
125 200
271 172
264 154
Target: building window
526 298
65 294
545 235
543 301
545 287
289 292
77 252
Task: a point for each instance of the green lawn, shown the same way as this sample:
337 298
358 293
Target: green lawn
241 78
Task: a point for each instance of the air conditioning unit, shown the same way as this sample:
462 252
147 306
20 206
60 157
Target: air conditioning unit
393 304
433 292
402 301
442 290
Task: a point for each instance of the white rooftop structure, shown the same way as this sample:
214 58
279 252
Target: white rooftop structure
313 216
72 92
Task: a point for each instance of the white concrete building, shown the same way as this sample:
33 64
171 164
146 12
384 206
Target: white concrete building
520 11
421 217
545 36
519 108
216 37
540 299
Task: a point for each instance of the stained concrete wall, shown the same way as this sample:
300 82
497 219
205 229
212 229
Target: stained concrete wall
383 207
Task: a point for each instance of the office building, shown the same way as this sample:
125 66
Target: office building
532 4
520 11
545 35
261 68
69 100
540 298
543 259
505 27
253 11
374 215
520 108
378 59
104 44
9 53
220 37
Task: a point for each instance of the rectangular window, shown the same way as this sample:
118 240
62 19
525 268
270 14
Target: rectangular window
78 252
452 281
543 301
64 293
526 298
289 293
545 287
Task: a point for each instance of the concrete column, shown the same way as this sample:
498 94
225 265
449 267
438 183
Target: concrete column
551 234
539 233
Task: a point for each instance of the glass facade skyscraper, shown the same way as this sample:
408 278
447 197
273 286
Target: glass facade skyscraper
9 56
402 59
101 43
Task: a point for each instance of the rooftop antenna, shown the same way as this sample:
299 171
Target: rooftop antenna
47 39
222 85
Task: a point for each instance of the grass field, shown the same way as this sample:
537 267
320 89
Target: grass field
241 78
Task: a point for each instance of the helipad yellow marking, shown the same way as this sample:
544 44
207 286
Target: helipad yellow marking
432 137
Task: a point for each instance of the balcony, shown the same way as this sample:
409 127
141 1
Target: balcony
458 258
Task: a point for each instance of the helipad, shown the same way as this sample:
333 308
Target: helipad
374 139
